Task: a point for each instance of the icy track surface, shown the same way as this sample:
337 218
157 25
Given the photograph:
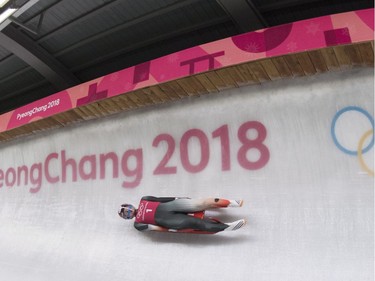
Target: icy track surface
309 205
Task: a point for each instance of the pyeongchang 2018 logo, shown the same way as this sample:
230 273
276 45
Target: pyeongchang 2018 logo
59 167
352 130
192 150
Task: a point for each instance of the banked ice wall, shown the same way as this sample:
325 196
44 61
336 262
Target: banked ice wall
299 152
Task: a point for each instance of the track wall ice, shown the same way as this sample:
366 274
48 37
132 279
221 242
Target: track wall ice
299 152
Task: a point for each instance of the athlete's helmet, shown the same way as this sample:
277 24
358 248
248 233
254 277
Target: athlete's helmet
127 211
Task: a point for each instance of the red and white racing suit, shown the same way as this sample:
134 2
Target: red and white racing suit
172 214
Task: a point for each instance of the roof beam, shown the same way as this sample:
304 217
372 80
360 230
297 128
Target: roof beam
244 14
26 49
273 6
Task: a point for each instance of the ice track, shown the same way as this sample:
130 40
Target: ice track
309 206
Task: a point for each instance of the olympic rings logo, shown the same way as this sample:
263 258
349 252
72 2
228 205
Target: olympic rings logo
360 150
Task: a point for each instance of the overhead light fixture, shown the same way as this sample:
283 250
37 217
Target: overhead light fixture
10 11
7 13
3 2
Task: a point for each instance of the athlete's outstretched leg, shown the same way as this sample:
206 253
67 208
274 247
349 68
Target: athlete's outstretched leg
182 222
178 221
187 205
221 203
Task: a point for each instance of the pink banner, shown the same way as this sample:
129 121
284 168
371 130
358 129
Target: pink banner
339 29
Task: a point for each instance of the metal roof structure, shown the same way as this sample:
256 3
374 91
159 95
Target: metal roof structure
56 44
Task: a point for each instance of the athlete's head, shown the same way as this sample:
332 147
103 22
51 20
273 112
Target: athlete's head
127 211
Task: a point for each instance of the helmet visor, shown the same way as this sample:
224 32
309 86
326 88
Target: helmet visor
127 212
